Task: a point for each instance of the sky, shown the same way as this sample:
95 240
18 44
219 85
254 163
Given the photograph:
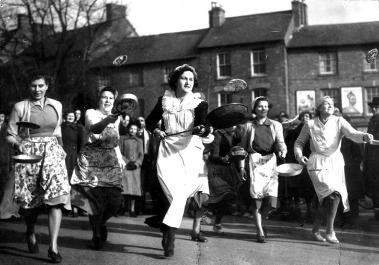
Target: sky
161 16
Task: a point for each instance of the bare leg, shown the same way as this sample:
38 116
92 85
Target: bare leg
55 218
132 205
331 211
258 222
196 221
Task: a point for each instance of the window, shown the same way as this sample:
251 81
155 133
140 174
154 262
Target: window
166 73
103 81
333 93
369 67
259 92
371 92
224 98
135 78
258 62
328 63
224 68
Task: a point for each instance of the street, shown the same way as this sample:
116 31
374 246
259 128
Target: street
132 242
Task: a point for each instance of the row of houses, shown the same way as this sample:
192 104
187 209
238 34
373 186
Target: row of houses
278 54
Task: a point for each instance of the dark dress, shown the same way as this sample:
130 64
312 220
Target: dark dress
223 177
371 163
352 155
73 140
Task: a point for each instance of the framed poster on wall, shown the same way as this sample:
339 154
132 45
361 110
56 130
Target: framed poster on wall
352 100
305 101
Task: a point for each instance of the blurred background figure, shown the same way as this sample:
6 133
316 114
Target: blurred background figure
73 137
223 177
79 117
131 148
4 153
297 186
371 159
146 169
353 154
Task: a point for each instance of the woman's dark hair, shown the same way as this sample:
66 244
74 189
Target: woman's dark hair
68 112
301 115
257 101
178 71
39 75
135 122
110 89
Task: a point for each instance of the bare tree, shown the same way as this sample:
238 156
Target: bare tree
58 36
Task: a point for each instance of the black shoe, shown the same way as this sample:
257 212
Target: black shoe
132 214
104 233
261 239
96 243
32 247
198 238
55 257
170 241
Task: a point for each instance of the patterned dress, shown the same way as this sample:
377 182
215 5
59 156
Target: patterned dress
99 166
45 182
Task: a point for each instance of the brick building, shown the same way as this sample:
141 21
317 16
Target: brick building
65 55
250 47
331 60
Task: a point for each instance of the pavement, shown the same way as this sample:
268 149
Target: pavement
132 242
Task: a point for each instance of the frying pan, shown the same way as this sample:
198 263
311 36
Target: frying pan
27 158
227 115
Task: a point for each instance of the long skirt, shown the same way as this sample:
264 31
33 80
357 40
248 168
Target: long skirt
328 175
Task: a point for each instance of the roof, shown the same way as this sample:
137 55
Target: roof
335 35
154 48
249 29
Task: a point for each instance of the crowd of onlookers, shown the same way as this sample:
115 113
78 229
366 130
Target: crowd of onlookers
141 188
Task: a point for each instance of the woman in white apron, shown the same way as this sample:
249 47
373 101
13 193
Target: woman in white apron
262 138
325 164
180 156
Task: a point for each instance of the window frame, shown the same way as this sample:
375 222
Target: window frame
228 96
258 62
226 65
333 62
135 82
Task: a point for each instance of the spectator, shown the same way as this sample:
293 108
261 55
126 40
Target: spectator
148 151
132 150
73 140
371 159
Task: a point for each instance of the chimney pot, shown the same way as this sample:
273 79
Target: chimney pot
299 13
216 15
114 11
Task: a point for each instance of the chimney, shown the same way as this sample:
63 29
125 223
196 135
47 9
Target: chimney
115 11
299 13
216 15
22 21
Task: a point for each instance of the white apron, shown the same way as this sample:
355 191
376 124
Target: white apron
180 158
326 165
263 176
